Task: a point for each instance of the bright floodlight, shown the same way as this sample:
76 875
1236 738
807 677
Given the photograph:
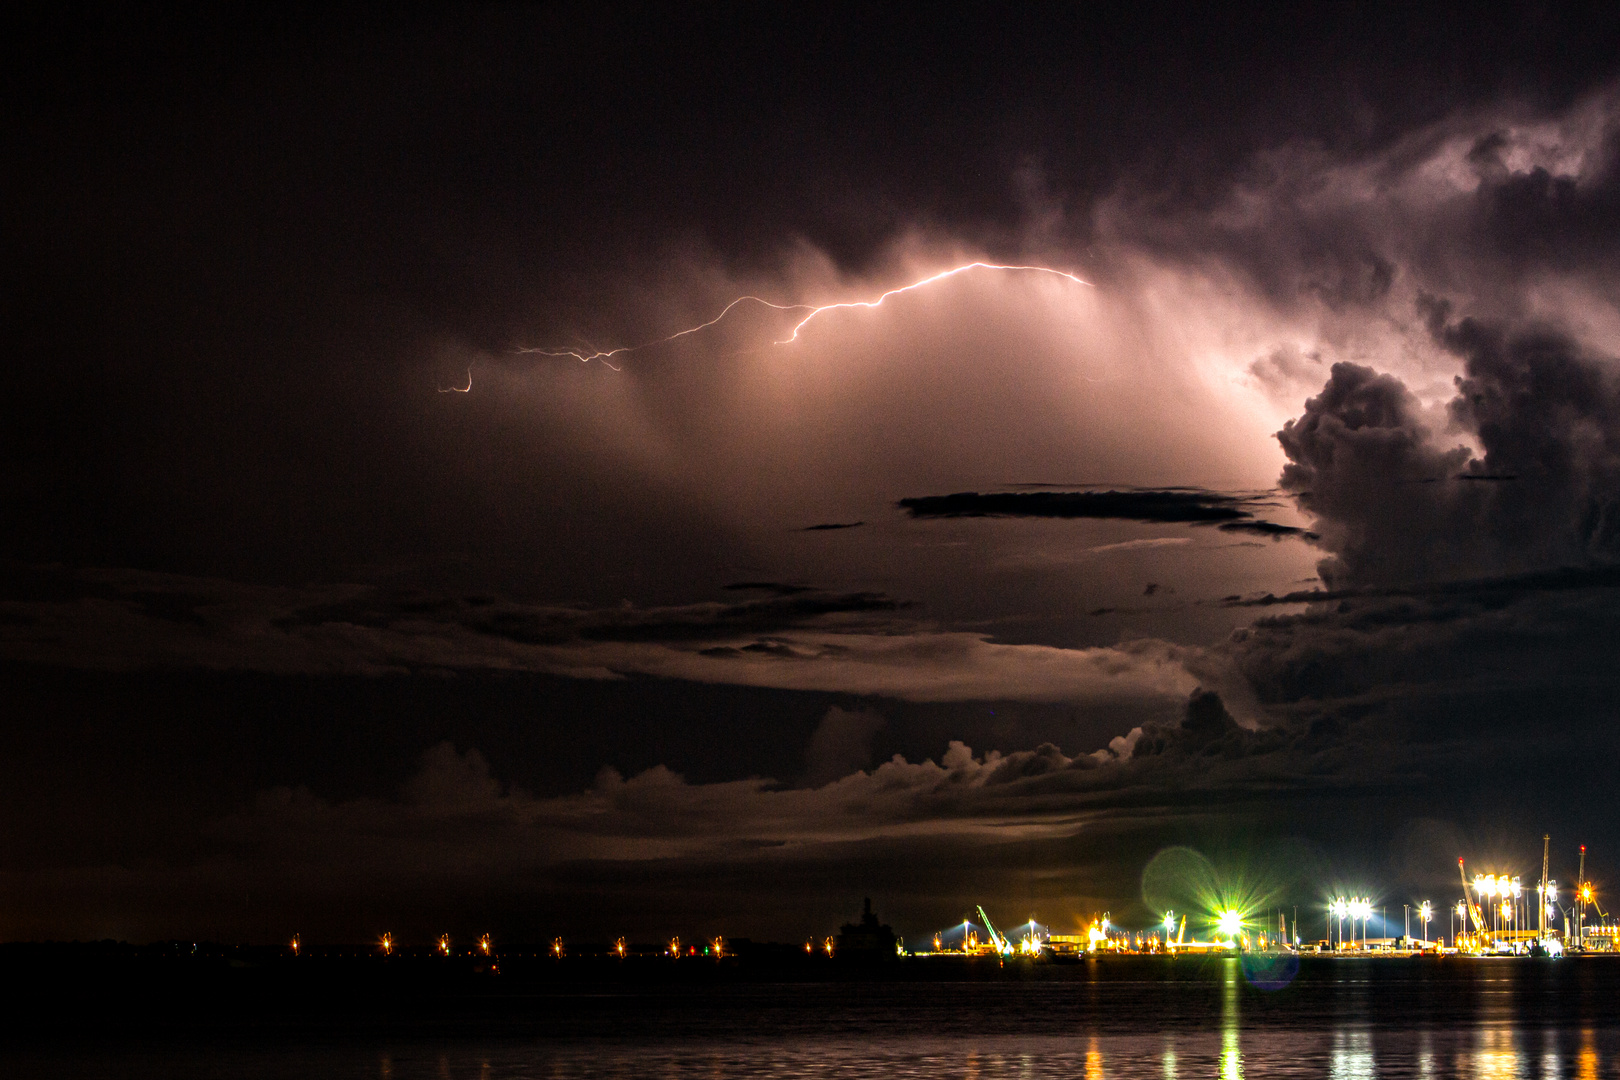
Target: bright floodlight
1169 920
1517 888
1230 923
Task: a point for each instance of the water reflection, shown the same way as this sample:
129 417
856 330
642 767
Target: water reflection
1231 1053
1353 1056
1425 1061
1495 1055
1586 1062
1341 1019
1551 1064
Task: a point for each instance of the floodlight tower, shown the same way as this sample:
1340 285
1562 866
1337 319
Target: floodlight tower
1541 900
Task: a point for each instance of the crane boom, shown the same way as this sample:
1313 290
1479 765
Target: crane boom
1474 914
995 935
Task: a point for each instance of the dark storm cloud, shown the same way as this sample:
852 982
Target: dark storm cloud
858 643
832 526
39 595
1266 528
1184 506
1561 579
1541 409
1232 513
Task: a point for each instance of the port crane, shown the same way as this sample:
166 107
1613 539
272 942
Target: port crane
1001 944
1475 915
1584 895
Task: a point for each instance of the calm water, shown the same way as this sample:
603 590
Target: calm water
1330 1018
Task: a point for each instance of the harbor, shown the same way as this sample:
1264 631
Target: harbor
1495 915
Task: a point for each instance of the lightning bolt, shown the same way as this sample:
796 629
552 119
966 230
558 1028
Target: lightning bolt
941 276
607 354
603 356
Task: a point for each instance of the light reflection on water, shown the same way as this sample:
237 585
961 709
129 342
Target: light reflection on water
1348 1023
1588 1060
1353 1056
1349 1055
1340 1055
1231 1023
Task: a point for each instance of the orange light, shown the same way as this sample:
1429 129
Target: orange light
387 944
483 944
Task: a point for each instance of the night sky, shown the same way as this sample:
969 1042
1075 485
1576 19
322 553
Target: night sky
346 585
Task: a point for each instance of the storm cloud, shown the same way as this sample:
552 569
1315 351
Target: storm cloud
1329 546
1372 468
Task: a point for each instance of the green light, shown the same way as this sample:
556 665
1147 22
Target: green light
1230 923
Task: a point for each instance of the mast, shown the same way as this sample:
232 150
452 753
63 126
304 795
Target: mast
1580 904
1546 841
